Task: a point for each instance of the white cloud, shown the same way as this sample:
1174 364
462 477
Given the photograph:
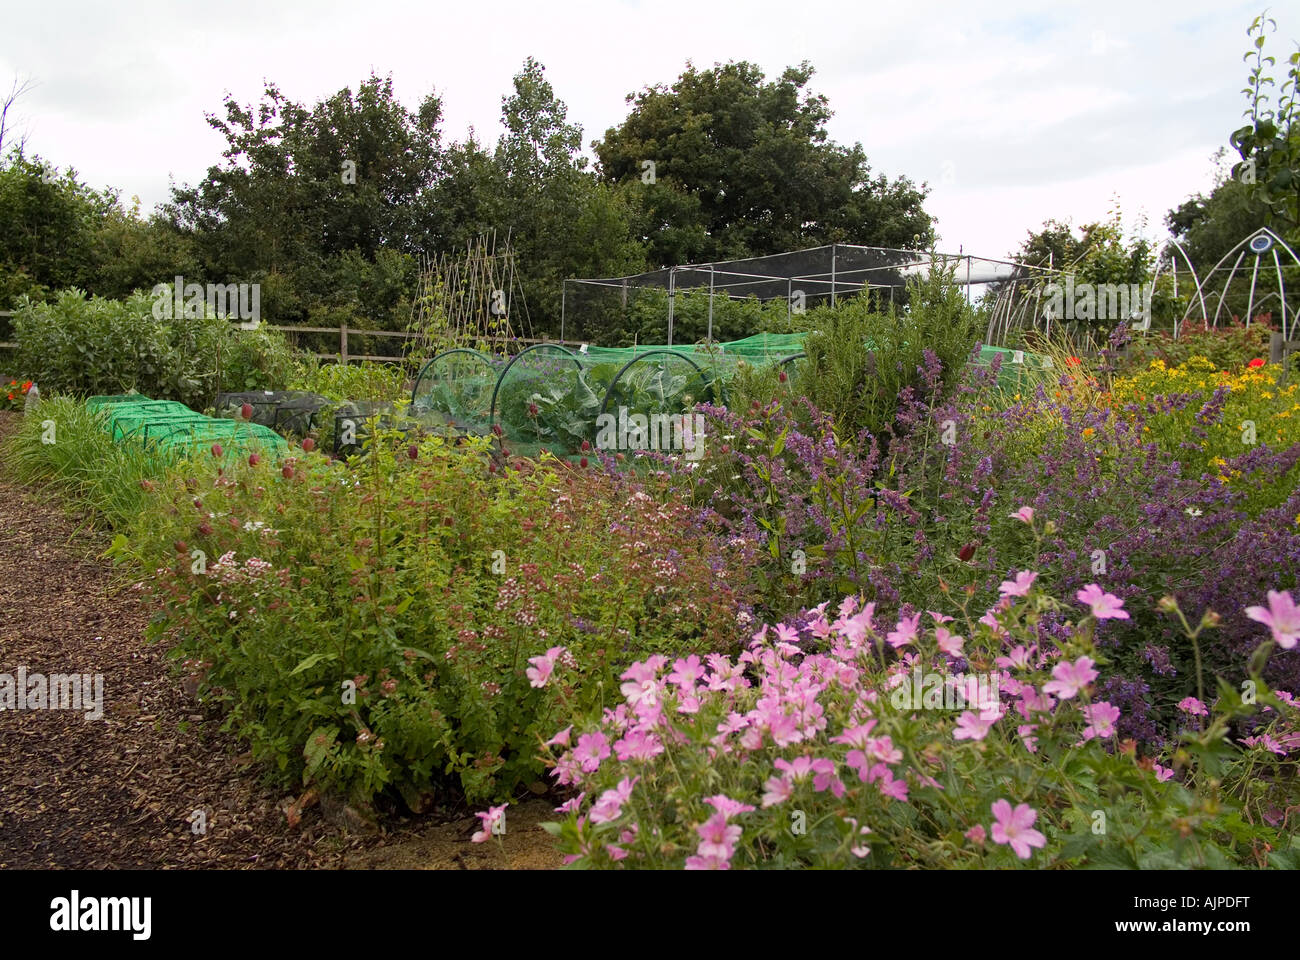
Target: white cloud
1030 112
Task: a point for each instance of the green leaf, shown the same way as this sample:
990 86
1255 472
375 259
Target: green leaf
311 661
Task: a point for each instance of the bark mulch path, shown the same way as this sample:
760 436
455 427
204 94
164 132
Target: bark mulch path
121 791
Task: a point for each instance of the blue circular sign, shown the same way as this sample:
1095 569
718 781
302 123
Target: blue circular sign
1261 244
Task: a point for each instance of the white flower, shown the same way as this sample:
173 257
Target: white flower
1193 511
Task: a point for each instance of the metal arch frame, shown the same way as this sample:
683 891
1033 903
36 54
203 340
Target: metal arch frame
420 376
1244 245
604 404
565 351
1200 290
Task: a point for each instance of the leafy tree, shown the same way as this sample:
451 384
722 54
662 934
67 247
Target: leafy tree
1269 144
1208 227
299 190
745 167
56 232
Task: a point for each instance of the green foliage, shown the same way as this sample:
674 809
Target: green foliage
744 167
1269 144
92 345
351 381
103 479
424 585
56 232
863 362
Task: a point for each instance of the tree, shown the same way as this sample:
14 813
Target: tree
1208 227
299 189
1269 144
727 165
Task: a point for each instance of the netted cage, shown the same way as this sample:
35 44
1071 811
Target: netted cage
171 430
295 412
729 300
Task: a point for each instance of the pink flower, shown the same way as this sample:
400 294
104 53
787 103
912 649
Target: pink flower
905 631
1267 742
1025 732
717 838
1068 678
976 835
540 672
797 770
1101 717
1162 773
1019 587
728 807
1019 657
610 805
493 821
592 748
708 863
638 745
561 739
1105 606
976 726
776 790
686 673
824 777
1025 514
1191 705
949 643
1282 617
1016 827
615 852
859 849
571 805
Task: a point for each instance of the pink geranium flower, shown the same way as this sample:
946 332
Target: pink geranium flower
540 671
976 835
592 748
1162 773
1068 678
904 633
717 838
1282 617
976 726
1024 514
728 807
493 821
1105 606
776 790
950 643
1015 827
1019 587
561 739
1101 717
1192 706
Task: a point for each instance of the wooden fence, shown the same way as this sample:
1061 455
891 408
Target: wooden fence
343 331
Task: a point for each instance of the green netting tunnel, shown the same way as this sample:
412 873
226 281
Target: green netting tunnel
171 430
550 396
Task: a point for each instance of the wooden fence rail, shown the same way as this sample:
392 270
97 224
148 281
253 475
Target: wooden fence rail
343 331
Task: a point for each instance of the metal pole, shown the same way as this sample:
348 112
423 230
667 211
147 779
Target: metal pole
672 296
709 337
564 286
834 249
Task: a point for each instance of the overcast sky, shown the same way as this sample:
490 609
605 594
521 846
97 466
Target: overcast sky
1013 111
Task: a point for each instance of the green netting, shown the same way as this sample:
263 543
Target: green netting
173 430
553 397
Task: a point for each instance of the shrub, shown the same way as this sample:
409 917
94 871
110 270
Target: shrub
864 366
426 586
80 345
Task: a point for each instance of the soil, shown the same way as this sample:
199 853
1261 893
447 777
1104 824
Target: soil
131 789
